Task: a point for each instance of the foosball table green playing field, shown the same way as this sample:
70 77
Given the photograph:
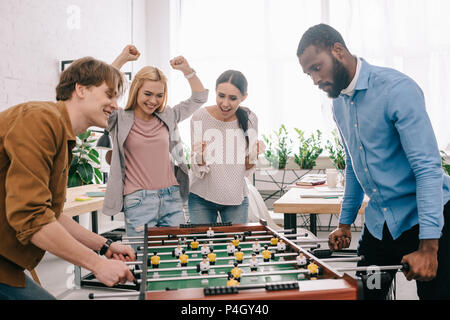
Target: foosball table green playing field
228 262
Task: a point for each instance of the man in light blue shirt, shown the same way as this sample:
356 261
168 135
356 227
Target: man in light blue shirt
391 156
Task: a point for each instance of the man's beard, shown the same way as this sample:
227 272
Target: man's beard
341 79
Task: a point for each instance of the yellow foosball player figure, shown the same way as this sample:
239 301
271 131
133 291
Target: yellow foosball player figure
155 260
183 258
235 241
266 253
236 272
274 240
232 282
212 257
194 244
313 270
239 255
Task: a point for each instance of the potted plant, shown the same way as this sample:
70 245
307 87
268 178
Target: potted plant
309 149
83 168
336 150
278 147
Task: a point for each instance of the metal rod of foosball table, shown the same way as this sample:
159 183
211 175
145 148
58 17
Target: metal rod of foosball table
224 258
113 295
220 239
202 234
306 246
402 267
252 274
349 259
220 266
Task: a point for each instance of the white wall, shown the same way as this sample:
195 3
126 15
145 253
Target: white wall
36 35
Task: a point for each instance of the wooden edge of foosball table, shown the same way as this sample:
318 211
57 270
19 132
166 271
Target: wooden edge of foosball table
350 293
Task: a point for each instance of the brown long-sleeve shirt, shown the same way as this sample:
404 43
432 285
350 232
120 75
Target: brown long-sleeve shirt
36 142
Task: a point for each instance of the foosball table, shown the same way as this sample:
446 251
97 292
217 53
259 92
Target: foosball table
237 262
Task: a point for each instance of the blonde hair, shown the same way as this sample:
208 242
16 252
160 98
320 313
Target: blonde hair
146 73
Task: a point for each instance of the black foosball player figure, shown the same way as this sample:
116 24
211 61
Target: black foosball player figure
235 241
253 263
266 253
239 255
236 272
232 282
256 247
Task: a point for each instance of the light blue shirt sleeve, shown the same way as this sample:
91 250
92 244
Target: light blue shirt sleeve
353 193
408 114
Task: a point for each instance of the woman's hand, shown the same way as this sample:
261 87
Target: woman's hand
180 63
199 151
129 53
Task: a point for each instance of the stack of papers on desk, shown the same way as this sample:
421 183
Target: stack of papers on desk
322 192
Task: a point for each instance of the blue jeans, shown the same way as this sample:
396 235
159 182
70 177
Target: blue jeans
31 291
156 208
202 211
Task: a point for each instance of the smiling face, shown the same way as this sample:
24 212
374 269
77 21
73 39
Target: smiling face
228 99
150 97
99 103
327 72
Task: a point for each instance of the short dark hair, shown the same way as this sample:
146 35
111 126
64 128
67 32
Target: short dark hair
322 36
88 72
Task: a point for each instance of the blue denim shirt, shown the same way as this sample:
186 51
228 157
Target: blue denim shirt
392 155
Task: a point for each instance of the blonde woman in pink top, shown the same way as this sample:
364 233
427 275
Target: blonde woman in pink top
148 177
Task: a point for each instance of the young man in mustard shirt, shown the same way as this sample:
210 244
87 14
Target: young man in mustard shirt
36 142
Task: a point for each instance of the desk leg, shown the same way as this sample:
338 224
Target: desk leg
77 280
94 221
290 221
313 223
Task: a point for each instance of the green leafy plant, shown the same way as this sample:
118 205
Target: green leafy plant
83 168
278 147
187 154
445 165
336 150
309 149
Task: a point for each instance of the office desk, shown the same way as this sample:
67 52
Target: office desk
74 208
291 204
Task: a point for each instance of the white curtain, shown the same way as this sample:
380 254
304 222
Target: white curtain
260 38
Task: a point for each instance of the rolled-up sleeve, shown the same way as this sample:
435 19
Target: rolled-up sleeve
31 144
